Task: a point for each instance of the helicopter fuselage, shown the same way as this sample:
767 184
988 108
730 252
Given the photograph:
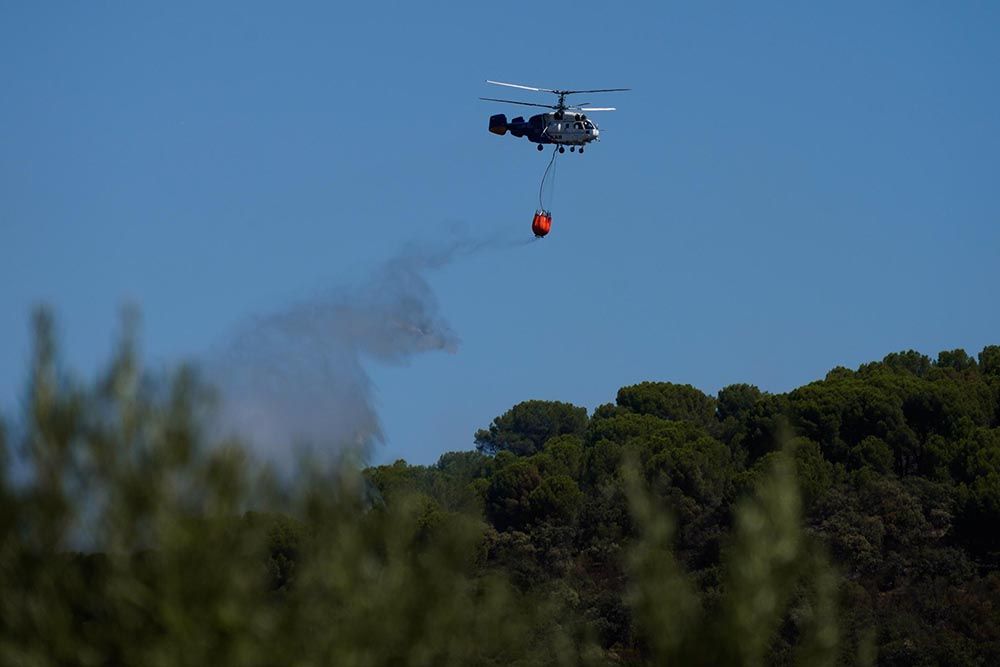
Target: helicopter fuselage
567 128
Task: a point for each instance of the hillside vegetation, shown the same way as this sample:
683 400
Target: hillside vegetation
853 520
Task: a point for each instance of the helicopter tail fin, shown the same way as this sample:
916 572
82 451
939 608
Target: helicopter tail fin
498 124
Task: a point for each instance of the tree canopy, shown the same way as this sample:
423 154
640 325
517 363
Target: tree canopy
849 521
524 429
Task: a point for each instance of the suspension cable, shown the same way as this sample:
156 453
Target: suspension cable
541 185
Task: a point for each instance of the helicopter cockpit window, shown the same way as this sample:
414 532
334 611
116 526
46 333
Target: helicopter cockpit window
578 126
588 125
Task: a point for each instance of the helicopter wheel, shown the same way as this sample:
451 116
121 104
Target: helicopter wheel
562 149
581 150
540 147
572 149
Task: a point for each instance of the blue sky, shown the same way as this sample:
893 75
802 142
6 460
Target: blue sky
786 189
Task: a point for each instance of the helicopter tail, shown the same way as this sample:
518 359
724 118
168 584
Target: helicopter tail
516 127
498 124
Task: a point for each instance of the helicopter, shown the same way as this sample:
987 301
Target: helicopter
568 125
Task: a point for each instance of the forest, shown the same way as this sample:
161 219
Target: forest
852 520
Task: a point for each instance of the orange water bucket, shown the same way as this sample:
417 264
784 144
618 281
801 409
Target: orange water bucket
542 223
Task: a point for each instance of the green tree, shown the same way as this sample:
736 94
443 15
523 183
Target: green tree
525 428
774 576
556 499
989 360
508 497
978 470
678 402
909 361
736 400
873 453
956 360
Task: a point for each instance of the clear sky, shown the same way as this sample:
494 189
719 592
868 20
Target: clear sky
788 188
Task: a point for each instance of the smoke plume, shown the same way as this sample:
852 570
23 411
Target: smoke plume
295 379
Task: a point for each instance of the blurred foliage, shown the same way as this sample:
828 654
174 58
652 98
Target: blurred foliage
850 521
127 541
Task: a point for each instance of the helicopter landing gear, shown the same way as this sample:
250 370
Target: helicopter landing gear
581 150
572 149
562 149
540 147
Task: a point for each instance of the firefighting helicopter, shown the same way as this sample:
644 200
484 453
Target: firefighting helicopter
568 125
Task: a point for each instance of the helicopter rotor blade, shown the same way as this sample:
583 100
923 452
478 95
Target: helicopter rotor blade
517 85
598 90
526 104
595 108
